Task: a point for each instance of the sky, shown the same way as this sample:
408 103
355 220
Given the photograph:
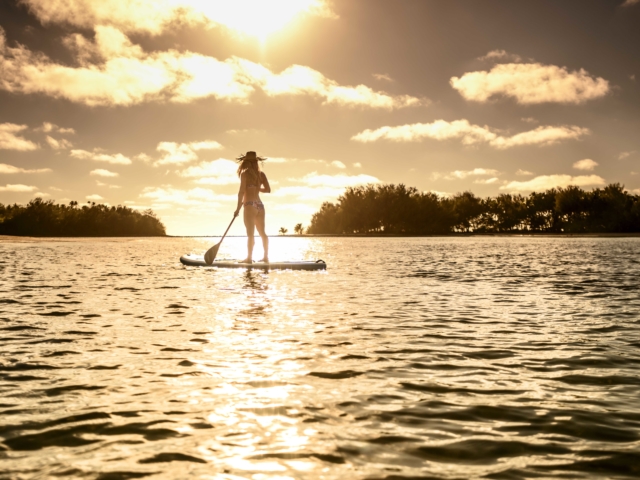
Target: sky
146 103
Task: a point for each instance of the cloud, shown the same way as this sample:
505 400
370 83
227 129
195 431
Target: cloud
501 55
337 181
440 194
216 172
10 169
9 140
117 159
102 184
156 16
194 196
523 172
61 144
176 153
383 76
629 3
240 131
300 80
531 83
546 182
143 157
338 164
94 198
100 172
586 164
113 71
18 188
624 155
470 134
486 181
542 136
357 165
48 127
461 174
280 160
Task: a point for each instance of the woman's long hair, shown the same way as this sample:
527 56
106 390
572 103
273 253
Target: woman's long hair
250 165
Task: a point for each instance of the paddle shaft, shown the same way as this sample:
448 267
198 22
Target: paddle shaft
225 232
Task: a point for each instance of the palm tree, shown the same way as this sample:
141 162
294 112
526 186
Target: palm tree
298 229
283 231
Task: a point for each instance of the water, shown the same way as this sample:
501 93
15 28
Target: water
497 358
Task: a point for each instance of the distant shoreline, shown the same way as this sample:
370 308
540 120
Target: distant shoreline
26 239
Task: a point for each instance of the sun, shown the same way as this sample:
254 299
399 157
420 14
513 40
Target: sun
258 18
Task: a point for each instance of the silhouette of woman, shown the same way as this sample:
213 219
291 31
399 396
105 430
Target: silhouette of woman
252 182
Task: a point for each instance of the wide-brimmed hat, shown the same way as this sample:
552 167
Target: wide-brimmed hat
250 156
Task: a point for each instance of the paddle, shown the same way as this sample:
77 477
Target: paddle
210 256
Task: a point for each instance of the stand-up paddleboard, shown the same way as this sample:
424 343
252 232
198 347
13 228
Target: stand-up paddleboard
198 261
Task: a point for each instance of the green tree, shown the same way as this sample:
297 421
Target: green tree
298 229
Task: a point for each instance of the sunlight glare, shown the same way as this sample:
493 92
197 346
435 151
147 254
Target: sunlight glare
258 18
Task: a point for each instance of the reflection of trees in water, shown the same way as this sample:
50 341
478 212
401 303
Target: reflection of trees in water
45 218
398 209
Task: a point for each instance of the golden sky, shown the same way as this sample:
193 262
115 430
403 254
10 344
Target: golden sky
146 102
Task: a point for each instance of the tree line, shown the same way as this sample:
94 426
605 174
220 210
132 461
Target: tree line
398 209
46 219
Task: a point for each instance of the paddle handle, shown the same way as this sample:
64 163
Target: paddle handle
225 232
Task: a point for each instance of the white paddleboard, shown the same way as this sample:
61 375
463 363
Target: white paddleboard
198 261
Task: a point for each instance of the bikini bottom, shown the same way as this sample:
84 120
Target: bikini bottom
256 204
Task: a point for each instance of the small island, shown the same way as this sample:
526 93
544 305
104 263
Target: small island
40 218
400 210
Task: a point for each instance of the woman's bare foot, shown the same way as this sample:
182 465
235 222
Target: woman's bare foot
264 260
246 260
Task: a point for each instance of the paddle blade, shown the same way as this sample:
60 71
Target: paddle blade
210 256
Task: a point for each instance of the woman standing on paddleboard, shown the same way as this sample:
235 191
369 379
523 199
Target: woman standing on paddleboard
252 182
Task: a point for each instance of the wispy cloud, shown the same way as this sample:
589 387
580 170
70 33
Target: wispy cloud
10 140
586 164
531 83
18 188
61 144
470 134
523 173
100 172
501 55
476 172
176 196
383 76
113 71
99 156
156 16
48 127
624 155
629 3
338 181
177 153
338 164
545 182
94 198
10 169
486 181
107 185
216 172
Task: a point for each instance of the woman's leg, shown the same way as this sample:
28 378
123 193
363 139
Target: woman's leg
260 223
249 223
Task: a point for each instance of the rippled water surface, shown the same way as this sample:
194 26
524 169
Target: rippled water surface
498 358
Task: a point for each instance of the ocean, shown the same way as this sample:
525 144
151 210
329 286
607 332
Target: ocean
434 358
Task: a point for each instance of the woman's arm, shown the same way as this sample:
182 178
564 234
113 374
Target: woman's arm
243 181
265 187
